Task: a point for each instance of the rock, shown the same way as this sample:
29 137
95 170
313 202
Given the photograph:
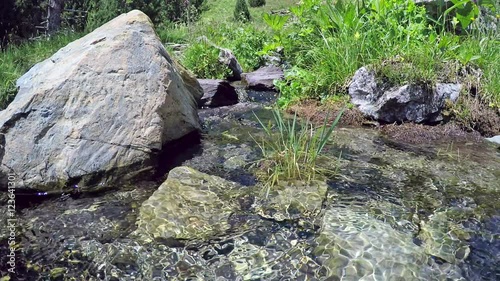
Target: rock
236 157
274 57
217 93
97 110
495 139
263 78
443 238
293 200
355 246
226 57
189 205
415 103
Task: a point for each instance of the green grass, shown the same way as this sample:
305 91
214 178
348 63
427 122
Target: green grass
221 11
323 43
17 60
327 43
291 149
246 40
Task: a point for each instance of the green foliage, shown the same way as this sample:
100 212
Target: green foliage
102 11
241 12
19 18
159 11
328 41
203 60
297 82
170 32
246 43
256 3
294 150
276 22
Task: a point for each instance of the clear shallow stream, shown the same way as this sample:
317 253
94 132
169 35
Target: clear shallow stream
393 212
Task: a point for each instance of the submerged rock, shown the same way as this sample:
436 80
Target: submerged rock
217 93
189 205
99 108
354 246
443 238
263 78
293 200
411 102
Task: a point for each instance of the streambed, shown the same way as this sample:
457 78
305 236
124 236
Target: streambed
393 212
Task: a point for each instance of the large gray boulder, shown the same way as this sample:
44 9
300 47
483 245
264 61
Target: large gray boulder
98 111
411 102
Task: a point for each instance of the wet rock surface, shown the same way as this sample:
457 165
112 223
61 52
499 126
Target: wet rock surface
217 93
263 78
355 246
408 211
189 205
293 200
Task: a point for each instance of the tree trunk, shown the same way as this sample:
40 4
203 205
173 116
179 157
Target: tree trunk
54 16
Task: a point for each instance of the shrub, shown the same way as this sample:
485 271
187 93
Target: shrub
241 12
246 43
292 152
256 3
101 11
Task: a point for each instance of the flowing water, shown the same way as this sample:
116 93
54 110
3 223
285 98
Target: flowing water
392 212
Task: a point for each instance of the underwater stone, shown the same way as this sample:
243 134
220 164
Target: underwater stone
189 205
355 246
293 200
442 238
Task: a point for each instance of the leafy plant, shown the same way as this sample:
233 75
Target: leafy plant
276 22
246 43
465 12
293 151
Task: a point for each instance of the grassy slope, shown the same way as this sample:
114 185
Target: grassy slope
220 11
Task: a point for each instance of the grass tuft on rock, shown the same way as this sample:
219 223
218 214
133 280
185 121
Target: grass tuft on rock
291 149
